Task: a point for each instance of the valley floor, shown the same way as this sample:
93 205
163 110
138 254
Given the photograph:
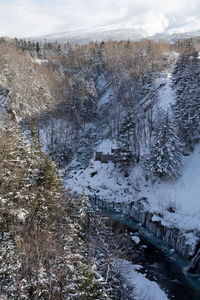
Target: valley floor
144 289
174 204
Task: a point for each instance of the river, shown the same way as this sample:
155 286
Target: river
161 264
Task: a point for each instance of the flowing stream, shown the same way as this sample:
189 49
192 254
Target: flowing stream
160 263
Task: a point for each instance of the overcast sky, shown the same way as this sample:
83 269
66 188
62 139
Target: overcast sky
23 18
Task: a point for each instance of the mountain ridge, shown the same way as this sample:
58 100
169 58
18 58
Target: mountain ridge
152 24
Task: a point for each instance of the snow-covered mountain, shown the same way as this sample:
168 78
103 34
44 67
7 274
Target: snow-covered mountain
97 35
152 23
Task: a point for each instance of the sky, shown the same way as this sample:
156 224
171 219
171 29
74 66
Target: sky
26 18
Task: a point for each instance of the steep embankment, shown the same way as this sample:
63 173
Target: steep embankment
42 255
169 209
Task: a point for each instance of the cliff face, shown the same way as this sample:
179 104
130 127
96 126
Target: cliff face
111 107
164 236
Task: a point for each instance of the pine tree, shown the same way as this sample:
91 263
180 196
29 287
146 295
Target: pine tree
126 153
41 255
165 156
37 48
186 79
84 97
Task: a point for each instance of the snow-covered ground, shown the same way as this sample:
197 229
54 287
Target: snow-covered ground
39 61
143 288
165 93
106 146
175 204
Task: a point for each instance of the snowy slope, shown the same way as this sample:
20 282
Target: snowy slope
152 23
144 289
174 204
183 196
166 94
142 25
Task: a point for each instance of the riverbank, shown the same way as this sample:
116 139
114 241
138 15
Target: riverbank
158 262
170 210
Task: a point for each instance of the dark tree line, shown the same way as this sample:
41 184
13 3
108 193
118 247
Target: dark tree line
186 82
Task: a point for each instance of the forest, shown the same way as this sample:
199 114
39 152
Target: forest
57 103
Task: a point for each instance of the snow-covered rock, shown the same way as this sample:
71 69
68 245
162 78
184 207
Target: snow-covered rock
143 288
135 239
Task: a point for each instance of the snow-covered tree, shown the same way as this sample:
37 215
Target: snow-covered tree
83 98
164 159
42 253
186 82
126 152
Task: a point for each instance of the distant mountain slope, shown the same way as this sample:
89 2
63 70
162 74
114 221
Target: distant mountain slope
153 23
83 37
131 34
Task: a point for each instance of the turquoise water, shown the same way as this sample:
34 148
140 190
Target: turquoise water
162 264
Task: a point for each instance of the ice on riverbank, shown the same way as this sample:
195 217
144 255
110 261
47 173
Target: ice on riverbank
143 288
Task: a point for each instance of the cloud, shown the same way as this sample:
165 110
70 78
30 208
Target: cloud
32 18
22 18
178 7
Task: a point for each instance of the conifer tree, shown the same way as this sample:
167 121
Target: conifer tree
186 78
165 156
126 153
41 254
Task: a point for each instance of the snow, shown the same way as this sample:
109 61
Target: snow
166 94
107 145
156 218
154 21
21 213
143 288
81 179
39 61
146 23
175 204
106 97
135 239
182 196
101 83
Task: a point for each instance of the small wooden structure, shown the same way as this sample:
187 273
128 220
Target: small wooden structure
105 157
